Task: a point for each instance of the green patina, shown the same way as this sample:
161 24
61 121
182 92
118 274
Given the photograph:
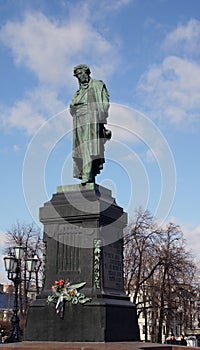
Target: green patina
89 109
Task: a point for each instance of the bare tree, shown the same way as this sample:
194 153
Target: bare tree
176 277
159 273
140 250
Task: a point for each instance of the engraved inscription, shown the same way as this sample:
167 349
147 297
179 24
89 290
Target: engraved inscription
113 266
68 247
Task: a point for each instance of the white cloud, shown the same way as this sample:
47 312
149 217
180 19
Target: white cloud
50 49
99 9
126 124
22 115
134 128
171 89
193 242
29 114
184 39
114 5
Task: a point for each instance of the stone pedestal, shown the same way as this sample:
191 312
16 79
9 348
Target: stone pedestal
83 228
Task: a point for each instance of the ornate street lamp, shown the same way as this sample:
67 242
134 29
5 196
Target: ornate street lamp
12 264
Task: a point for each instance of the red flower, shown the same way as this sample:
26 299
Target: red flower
56 283
61 282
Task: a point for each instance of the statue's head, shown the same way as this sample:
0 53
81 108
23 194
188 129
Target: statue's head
81 67
82 73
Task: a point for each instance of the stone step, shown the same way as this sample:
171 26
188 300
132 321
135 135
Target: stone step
26 345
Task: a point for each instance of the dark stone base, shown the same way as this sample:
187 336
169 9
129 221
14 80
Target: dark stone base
97 321
83 230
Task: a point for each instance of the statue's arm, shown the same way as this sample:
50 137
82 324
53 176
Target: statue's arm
105 99
104 104
72 106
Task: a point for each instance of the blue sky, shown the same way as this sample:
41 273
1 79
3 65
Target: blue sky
148 54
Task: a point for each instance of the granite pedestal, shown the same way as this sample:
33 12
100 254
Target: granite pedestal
83 228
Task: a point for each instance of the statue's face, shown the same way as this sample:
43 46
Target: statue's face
82 76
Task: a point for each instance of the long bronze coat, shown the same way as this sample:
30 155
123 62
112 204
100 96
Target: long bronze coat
89 108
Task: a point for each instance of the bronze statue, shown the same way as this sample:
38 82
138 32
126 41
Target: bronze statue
89 109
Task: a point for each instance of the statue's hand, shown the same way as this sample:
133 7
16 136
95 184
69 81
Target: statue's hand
107 134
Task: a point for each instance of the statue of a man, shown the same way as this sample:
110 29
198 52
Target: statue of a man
89 109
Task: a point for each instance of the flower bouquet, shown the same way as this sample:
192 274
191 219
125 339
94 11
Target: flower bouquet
63 292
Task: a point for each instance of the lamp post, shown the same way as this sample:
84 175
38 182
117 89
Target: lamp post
145 311
12 264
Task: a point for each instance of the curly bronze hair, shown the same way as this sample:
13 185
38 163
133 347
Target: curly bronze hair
82 66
